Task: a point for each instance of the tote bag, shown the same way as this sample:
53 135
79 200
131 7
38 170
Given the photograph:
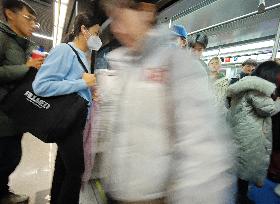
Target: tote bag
47 118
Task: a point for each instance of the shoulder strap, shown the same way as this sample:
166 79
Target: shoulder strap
79 58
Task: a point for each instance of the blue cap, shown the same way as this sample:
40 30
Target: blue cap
180 30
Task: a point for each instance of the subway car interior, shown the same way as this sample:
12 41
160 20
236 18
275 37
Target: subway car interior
237 30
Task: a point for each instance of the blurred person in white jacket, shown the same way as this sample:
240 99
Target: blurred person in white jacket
167 144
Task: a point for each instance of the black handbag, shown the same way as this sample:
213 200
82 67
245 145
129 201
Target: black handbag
47 118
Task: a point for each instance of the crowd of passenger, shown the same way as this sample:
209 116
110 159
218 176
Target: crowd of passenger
177 130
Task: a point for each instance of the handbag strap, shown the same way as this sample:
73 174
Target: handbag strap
79 58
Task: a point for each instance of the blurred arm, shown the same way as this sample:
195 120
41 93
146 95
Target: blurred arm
201 150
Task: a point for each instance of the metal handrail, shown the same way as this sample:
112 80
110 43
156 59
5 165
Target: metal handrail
235 19
276 44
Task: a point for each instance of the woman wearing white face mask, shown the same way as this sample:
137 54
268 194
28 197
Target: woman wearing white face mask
63 73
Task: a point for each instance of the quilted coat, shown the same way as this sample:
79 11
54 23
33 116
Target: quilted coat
249 115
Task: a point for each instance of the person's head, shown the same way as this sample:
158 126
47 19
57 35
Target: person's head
181 33
268 70
249 66
20 16
86 30
215 64
198 43
182 42
130 20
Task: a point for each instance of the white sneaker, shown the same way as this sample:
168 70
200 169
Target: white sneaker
277 189
13 198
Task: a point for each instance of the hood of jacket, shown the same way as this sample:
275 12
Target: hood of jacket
251 83
23 42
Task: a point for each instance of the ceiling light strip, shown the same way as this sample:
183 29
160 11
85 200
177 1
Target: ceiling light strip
60 12
42 36
239 48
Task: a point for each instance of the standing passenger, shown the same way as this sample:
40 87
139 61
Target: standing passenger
63 74
247 67
198 43
15 49
215 67
220 82
181 33
274 167
250 112
163 145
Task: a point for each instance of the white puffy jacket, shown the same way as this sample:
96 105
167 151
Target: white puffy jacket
166 139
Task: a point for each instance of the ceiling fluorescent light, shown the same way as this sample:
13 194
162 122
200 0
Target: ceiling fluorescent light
42 36
239 48
170 24
60 10
77 8
251 46
55 25
211 53
62 16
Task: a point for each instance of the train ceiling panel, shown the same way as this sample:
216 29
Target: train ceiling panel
248 29
255 27
182 8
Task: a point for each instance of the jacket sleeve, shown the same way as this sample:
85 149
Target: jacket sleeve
265 106
201 154
9 73
50 79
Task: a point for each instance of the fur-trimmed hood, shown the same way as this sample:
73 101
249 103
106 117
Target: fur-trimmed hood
251 83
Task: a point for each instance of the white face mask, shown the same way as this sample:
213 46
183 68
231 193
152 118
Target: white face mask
94 43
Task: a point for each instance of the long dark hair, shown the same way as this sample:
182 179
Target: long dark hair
269 71
86 19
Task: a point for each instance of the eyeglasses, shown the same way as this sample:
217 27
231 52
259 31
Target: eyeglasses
32 20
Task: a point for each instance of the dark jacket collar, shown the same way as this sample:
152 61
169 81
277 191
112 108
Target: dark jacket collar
23 42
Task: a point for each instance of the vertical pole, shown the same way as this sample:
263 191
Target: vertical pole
77 7
276 43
